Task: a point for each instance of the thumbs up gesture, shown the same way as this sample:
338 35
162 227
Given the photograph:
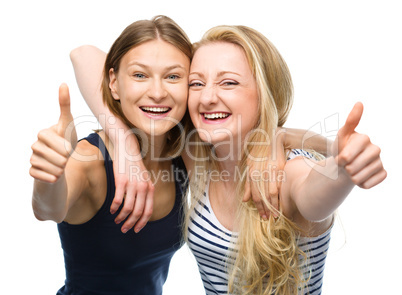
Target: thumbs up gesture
54 145
355 153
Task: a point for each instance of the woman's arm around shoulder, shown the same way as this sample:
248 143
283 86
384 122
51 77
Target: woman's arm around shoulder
88 62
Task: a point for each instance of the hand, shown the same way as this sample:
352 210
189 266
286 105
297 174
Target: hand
270 169
134 185
54 145
356 154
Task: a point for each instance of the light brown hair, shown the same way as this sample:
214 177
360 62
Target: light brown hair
160 27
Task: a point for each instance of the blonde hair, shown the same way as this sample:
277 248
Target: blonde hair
160 27
267 258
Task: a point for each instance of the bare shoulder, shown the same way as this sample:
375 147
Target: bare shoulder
89 157
86 167
86 155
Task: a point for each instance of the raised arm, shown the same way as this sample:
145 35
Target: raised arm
88 64
305 139
326 184
55 191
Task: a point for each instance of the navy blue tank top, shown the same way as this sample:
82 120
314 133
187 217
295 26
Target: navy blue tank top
100 259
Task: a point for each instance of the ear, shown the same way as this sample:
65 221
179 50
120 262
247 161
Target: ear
113 85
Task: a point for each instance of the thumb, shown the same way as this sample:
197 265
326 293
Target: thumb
351 123
347 130
65 113
65 127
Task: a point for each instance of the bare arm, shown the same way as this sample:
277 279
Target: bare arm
56 190
326 184
305 139
289 138
317 195
88 64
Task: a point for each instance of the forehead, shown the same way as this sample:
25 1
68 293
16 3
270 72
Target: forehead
221 56
156 52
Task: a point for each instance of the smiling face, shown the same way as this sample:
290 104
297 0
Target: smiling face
152 86
223 95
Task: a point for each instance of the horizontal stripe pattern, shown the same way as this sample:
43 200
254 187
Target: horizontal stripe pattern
211 242
299 153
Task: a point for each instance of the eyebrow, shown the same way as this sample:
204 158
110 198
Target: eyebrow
175 66
220 74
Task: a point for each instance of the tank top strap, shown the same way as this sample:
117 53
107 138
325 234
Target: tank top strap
97 141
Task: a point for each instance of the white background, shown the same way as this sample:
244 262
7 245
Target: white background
338 52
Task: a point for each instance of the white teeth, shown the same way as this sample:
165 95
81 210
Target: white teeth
155 110
216 115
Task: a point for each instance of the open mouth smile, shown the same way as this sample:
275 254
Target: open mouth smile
217 117
156 112
213 116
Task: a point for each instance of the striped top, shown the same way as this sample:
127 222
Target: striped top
211 242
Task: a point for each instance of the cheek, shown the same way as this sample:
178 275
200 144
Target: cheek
254 110
132 91
252 103
248 109
179 92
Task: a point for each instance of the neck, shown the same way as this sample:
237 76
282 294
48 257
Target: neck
228 158
223 182
154 149
222 193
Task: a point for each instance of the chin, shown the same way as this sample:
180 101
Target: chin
204 138
214 139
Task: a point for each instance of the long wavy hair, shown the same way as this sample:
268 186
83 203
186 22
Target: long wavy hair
267 258
142 31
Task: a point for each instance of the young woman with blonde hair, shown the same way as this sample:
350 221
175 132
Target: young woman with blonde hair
269 259
240 92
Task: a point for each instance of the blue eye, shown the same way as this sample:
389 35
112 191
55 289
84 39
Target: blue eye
173 77
195 85
139 76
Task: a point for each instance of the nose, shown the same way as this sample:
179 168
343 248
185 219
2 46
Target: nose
157 90
208 95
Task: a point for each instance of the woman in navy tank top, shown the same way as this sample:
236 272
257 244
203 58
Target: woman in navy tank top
81 186
145 85
232 75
